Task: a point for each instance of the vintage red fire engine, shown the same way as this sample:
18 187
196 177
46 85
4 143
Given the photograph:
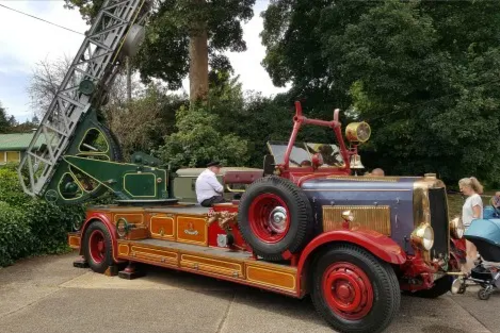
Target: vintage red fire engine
304 223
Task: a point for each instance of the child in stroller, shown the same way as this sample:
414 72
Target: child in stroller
493 211
485 235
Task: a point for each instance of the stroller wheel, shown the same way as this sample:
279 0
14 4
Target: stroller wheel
484 294
462 289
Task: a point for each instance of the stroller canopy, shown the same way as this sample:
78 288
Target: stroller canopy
485 235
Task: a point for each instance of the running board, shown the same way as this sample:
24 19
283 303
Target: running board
235 266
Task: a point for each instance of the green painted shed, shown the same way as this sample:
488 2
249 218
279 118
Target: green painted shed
13 146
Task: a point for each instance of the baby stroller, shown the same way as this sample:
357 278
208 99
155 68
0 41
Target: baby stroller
485 235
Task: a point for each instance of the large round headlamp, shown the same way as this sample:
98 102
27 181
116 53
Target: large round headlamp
423 237
457 228
358 132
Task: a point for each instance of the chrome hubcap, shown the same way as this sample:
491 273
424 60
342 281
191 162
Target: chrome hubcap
277 219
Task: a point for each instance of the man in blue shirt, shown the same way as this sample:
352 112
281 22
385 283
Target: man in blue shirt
208 189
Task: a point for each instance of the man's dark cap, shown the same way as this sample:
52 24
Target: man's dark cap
214 164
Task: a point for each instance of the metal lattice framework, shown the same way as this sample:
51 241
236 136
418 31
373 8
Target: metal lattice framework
96 61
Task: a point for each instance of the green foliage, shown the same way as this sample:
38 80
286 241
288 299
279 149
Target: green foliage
14 234
142 124
4 123
230 126
422 73
31 226
197 141
50 224
10 187
165 51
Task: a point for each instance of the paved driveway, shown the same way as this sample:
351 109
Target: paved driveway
49 295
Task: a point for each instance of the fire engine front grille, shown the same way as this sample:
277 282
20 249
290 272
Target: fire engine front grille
376 218
439 221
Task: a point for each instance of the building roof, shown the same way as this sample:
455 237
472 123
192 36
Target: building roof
18 141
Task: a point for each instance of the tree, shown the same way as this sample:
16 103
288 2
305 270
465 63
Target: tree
256 119
185 36
422 73
295 36
46 79
434 103
142 123
197 141
4 123
12 121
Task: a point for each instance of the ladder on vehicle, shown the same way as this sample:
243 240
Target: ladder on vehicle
93 68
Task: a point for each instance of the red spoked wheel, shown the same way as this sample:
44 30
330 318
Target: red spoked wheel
348 290
97 247
269 218
275 217
353 290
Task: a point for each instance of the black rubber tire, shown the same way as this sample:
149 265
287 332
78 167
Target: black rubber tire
385 285
302 223
117 153
441 287
483 295
108 258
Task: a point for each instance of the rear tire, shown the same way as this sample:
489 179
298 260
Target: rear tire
354 291
97 247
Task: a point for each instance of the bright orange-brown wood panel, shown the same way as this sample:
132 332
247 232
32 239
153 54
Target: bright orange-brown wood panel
139 233
213 265
271 277
74 241
134 218
154 255
192 230
162 227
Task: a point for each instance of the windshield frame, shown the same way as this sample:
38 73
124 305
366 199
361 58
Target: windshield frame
307 147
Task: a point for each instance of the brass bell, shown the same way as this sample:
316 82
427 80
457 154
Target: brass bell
356 162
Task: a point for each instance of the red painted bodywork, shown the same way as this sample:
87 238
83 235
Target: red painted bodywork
376 243
241 176
458 253
299 174
380 245
415 267
214 229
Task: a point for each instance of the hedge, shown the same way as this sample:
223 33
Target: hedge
31 226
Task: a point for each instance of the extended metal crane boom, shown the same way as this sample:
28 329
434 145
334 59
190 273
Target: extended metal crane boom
70 133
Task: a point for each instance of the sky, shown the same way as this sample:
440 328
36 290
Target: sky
24 41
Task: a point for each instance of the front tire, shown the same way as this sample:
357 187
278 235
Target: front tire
354 291
97 247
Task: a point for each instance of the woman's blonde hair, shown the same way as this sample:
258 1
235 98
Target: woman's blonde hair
473 183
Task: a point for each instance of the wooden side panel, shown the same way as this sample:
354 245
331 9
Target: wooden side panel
132 218
165 257
283 279
123 249
192 230
195 259
74 240
212 265
138 233
162 227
